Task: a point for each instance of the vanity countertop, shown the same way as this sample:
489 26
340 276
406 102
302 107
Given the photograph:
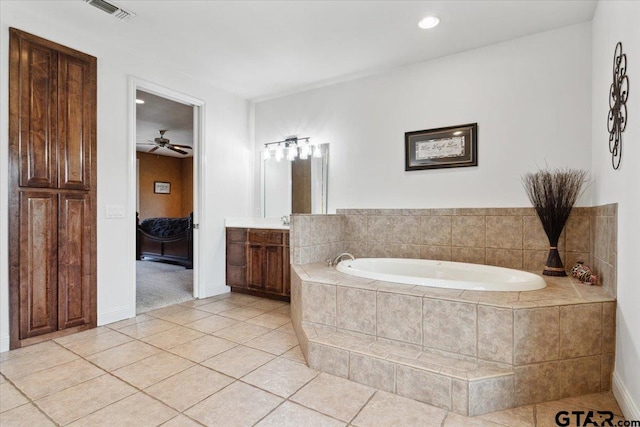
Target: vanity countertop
250 222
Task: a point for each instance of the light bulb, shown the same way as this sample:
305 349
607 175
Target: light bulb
304 151
279 153
267 153
428 22
292 152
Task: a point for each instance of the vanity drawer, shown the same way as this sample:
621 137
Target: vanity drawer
237 235
265 236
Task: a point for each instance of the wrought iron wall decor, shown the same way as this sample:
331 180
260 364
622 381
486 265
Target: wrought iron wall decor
618 94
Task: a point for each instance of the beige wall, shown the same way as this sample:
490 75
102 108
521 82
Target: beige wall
165 169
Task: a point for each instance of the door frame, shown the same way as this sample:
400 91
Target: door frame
198 105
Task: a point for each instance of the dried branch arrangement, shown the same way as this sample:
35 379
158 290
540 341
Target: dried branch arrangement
553 194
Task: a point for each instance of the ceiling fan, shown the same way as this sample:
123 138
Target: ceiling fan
163 142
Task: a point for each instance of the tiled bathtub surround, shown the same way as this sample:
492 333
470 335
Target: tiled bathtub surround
452 348
505 237
604 238
316 238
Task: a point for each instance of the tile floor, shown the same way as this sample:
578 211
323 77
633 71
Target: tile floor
232 360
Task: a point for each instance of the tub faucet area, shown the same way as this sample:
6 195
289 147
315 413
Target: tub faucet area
337 259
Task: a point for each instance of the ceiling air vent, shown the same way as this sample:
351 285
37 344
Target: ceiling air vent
112 9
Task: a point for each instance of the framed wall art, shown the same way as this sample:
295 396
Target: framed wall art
161 187
448 147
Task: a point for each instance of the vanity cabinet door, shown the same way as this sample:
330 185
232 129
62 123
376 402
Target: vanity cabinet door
237 257
256 267
273 269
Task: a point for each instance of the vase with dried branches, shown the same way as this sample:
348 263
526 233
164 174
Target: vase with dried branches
553 194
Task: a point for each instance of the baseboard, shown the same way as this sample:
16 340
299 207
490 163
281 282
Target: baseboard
620 391
115 315
4 344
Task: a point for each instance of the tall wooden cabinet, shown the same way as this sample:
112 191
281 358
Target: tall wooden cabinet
258 262
52 173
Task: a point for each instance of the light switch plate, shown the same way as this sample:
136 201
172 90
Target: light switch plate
114 211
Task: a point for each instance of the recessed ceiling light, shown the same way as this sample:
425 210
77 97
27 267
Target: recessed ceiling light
428 22
139 101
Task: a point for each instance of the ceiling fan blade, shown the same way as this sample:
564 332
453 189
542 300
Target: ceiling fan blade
145 143
177 150
181 146
153 149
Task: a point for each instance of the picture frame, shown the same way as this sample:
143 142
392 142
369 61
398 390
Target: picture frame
160 187
446 147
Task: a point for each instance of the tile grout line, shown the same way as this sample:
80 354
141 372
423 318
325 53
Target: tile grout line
29 401
362 407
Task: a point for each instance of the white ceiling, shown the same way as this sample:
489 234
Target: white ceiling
261 49
159 113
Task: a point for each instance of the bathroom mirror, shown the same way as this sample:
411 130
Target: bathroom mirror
295 186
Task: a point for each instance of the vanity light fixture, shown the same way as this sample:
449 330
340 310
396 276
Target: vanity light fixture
294 146
428 22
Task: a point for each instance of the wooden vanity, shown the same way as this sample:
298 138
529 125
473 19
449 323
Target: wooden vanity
258 262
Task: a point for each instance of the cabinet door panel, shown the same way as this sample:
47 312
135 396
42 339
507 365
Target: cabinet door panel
273 271
75 109
38 113
236 276
74 260
236 254
286 265
38 263
256 267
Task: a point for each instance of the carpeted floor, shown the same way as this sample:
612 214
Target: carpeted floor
159 285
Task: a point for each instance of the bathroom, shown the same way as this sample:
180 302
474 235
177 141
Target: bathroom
539 100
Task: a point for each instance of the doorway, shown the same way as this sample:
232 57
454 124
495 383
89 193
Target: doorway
166 129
